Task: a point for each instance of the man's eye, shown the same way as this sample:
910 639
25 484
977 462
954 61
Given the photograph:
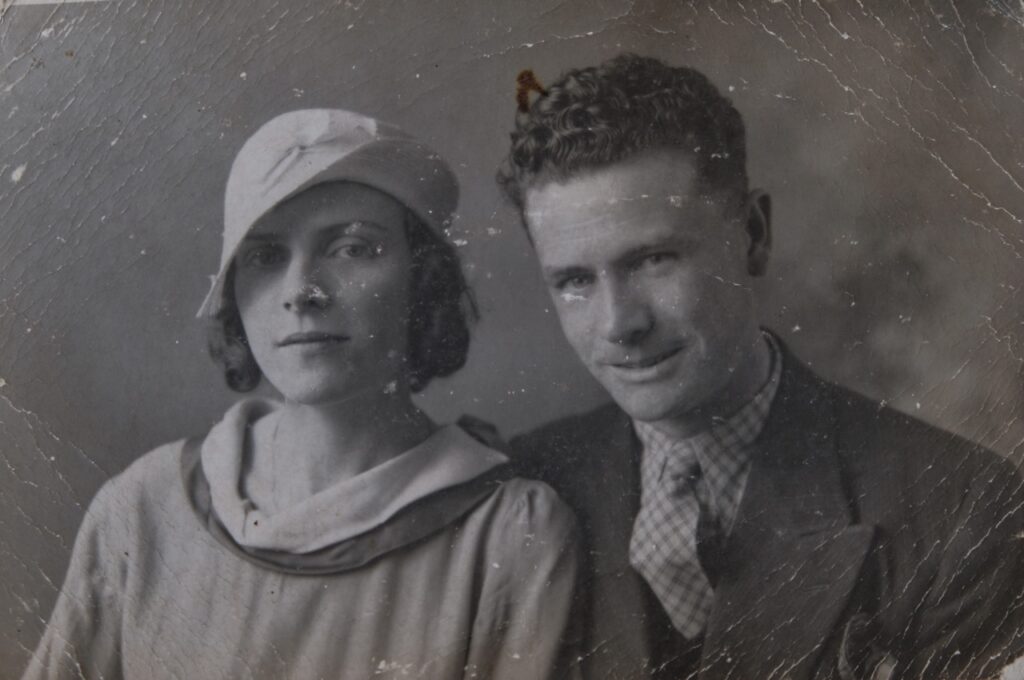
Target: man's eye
573 283
264 256
654 259
652 262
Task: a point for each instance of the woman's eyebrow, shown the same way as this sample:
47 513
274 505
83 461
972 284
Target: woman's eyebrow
351 226
357 224
262 236
330 229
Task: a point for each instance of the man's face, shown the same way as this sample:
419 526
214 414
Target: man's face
651 283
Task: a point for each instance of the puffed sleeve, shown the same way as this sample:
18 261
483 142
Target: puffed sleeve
82 638
526 626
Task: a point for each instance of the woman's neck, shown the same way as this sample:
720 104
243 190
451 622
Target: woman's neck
302 449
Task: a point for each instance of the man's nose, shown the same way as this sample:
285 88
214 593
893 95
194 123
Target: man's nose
302 288
626 317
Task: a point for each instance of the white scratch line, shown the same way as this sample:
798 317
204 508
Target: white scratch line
18 3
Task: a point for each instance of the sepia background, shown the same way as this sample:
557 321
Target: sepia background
889 135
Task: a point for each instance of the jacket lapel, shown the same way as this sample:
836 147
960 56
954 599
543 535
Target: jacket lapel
793 557
621 615
629 634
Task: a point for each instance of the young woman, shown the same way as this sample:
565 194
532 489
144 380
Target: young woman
335 531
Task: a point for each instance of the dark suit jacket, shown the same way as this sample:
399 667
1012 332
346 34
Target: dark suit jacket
863 535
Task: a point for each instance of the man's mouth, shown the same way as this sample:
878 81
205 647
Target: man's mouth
311 338
639 363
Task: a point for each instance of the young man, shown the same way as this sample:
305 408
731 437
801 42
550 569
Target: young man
744 518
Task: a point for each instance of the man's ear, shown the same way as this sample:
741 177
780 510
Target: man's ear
759 231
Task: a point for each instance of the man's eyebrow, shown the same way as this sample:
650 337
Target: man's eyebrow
674 243
559 273
634 254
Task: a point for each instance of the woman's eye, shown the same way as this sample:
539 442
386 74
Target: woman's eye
264 256
353 250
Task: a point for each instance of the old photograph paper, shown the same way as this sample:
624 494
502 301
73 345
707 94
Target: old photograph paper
888 137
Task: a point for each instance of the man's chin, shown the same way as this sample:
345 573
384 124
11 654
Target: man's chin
646 405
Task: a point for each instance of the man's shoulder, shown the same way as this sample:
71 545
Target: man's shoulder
569 429
887 453
869 426
566 443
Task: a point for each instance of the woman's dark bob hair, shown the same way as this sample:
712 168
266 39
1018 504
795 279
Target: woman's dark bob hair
441 306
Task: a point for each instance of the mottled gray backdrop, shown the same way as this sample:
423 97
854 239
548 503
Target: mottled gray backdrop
888 133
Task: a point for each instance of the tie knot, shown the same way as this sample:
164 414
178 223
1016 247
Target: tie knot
682 464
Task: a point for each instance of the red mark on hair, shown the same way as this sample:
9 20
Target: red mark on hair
526 82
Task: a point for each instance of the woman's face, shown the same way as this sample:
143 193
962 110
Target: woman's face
322 287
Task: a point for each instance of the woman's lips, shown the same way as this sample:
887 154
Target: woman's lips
311 338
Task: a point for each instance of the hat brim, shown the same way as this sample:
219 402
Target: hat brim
405 169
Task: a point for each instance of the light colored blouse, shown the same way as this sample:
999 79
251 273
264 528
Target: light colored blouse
151 593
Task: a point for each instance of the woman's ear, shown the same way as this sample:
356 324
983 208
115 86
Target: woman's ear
759 231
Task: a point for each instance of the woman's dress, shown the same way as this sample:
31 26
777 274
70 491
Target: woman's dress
436 564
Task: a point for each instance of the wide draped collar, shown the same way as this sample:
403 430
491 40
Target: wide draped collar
351 507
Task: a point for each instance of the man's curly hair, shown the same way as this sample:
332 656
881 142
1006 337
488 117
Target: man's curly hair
597 116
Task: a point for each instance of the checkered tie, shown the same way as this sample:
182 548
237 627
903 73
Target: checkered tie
663 548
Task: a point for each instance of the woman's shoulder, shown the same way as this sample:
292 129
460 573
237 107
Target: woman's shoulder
531 542
135 506
531 496
529 507
149 480
156 466
518 504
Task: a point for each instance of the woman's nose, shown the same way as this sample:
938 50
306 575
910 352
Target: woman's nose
310 296
303 290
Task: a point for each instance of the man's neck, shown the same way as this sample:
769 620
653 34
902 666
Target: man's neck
750 376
